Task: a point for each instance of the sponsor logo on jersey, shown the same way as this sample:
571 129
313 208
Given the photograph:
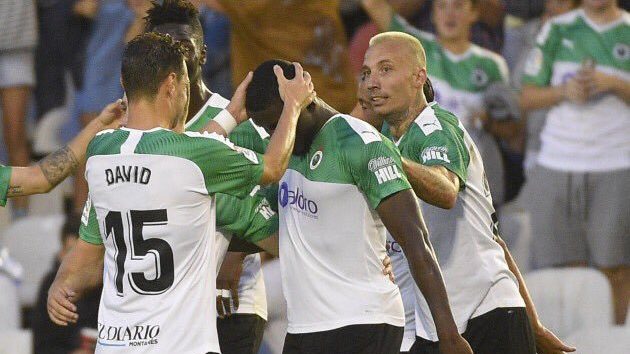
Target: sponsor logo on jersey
621 51
393 247
85 217
265 210
316 159
249 154
479 77
435 153
296 200
132 336
534 62
384 168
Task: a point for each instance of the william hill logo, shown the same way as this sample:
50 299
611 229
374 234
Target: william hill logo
435 153
133 336
384 168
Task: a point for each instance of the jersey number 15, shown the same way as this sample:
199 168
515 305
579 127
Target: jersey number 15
140 248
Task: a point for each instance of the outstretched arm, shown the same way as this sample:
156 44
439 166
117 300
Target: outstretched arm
380 11
546 341
402 218
54 168
81 270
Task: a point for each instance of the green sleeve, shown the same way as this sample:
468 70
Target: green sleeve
377 169
5 179
443 148
228 168
89 231
539 65
250 218
249 136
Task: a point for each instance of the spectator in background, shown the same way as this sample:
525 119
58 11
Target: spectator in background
461 72
116 22
49 338
306 31
578 193
216 31
518 12
18 38
64 28
522 42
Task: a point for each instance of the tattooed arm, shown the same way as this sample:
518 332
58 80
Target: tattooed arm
54 168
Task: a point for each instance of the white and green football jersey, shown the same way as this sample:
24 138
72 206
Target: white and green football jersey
250 218
5 180
332 240
475 271
591 136
151 204
459 82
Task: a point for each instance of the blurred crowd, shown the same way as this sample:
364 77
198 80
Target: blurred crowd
60 63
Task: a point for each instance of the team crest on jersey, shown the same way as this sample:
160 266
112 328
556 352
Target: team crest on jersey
479 77
316 159
435 153
621 51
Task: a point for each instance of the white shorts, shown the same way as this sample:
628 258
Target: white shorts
17 68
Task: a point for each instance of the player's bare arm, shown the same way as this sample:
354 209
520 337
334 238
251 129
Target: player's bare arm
435 185
296 94
401 215
80 270
380 11
54 168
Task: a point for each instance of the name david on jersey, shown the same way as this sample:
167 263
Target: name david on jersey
130 174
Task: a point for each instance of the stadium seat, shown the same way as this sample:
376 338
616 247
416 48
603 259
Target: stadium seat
604 340
10 314
17 341
516 230
569 299
33 241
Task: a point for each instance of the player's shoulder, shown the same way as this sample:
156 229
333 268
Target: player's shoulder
107 142
435 120
554 25
248 127
215 104
348 130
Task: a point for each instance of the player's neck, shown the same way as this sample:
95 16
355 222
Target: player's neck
456 46
199 95
603 16
323 113
400 122
146 115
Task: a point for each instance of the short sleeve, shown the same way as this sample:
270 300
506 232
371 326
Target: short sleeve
89 230
5 179
228 168
250 219
443 148
377 170
250 136
539 62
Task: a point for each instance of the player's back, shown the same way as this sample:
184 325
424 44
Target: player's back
150 193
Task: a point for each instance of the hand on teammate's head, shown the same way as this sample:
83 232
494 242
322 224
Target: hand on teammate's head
114 115
299 90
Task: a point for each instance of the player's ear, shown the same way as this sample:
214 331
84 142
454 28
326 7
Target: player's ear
419 77
170 84
202 55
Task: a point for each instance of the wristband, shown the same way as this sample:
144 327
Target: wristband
226 121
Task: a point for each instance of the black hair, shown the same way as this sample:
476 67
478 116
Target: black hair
147 60
262 91
70 227
174 11
429 93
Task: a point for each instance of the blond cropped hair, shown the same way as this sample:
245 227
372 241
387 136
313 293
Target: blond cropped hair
411 42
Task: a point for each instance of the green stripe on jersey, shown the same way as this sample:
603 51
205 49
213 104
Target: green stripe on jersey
471 72
349 151
574 38
436 139
5 180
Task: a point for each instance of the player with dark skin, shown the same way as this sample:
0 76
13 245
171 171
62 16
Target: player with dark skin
400 212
